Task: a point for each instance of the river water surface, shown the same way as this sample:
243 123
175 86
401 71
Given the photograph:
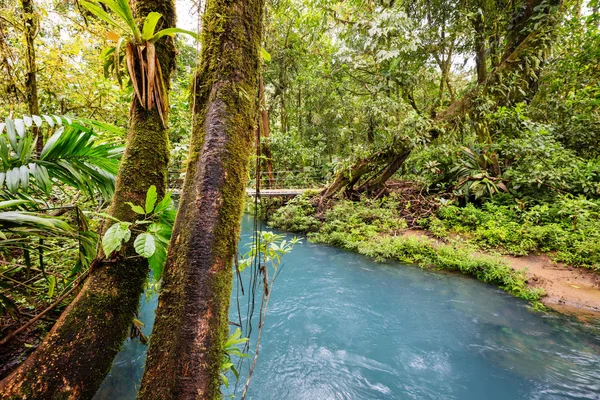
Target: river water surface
341 326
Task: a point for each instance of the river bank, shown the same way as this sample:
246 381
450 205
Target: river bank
567 289
522 252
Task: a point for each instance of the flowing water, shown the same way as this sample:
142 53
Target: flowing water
341 326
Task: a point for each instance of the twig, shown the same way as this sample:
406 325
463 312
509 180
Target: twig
13 334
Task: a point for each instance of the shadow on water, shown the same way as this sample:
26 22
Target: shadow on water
341 326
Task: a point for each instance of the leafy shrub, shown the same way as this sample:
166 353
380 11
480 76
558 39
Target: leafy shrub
569 228
296 216
349 223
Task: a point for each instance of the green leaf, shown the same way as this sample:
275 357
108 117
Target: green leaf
51 285
13 179
49 120
37 119
158 259
265 54
114 237
144 245
162 232
12 133
20 127
172 32
100 13
225 380
13 203
150 25
136 209
151 197
164 204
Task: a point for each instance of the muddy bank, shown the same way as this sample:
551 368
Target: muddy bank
568 290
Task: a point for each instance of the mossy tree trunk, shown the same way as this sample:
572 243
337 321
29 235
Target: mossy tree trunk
76 355
512 74
192 317
263 139
30 28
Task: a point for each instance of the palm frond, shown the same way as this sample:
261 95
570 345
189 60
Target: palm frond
73 155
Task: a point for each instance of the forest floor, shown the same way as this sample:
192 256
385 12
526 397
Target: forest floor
569 290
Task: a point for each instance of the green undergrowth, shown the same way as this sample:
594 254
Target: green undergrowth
373 228
568 229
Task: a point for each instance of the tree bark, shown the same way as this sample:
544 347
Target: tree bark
76 355
480 50
30 24
192 317
265 147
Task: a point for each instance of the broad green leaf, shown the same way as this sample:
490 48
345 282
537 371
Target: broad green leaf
164 204
161 232
158 259
150 25
151 197
265 54
136 209
114 237
144 245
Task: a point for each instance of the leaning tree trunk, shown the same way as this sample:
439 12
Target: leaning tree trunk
76 355
30 24
262 131
516 62
191 324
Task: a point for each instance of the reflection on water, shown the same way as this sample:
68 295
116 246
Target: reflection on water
343 327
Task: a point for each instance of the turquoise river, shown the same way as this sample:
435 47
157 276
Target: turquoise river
340 326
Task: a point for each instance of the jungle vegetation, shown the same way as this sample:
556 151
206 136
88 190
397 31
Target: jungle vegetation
477 118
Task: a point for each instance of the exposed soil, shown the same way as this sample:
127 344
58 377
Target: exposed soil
568 290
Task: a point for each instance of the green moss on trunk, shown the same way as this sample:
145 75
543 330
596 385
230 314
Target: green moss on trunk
192 318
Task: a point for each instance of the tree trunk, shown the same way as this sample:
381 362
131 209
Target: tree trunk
265 147
192 320
480 50
30 23
76 355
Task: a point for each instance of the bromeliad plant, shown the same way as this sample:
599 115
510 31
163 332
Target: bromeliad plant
153 231
139 51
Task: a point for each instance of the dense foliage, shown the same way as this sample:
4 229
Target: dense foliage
488 112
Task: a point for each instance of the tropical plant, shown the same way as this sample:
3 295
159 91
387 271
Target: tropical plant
473 177
72 156
230 350
27 233
153 231
138 49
